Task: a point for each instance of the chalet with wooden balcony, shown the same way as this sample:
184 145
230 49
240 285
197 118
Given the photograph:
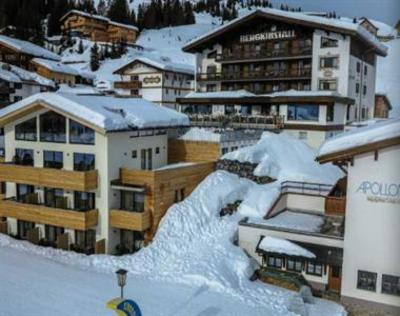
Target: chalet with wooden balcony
97 28
62 152
155 79
270 53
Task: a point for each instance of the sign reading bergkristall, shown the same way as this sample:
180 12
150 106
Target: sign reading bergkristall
267 36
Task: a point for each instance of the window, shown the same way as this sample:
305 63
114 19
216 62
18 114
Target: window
80 134
330 85
329 62
358 66
211 88
314 268
146 156
83 162
134 78
85 238
23 157
179 195
52 232
134 154
357 88
23 227
330 113
225 150
132 240
275 262
26 130
364 89
17 86
17 98
390 284
157 150
52 128
303 112
303 135
328 42
53 159
84 201
233 148
366 280
365 70
55 198
24 192
294 265
132 201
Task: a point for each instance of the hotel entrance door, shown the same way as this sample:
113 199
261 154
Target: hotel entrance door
335 278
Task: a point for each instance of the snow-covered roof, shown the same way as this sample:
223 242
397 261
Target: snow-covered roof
284 246
374 133
27 48
162 63
106 113
98 17
219 94
317 21
294 221
55 66
15 74
201 134
309 93
388 76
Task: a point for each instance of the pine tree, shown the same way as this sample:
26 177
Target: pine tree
102 7
80 47
119 11
94 58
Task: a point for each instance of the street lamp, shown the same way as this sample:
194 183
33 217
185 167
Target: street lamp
121 275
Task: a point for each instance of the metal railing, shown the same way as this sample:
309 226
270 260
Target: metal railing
237 120
305 188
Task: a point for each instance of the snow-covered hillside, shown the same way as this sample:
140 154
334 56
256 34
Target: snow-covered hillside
388 75
194 245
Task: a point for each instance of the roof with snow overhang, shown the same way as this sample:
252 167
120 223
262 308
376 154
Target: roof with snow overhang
318 22
56 66
15 74
102 113
27 48
161 63
344 146
271 244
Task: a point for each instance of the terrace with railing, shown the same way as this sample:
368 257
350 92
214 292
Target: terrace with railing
238 121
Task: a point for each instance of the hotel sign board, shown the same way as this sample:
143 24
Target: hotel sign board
266 36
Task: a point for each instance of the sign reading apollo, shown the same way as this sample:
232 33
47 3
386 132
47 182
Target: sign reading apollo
267 36
380 192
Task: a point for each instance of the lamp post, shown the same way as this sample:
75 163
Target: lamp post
121 275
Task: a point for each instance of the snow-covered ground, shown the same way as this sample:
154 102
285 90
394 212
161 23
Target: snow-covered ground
193 249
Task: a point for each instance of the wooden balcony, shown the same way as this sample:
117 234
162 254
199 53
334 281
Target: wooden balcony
47 177
260 75
237 121
139 221
42 214
335 205
128 84
282 54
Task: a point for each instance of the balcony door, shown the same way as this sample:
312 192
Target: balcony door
146 159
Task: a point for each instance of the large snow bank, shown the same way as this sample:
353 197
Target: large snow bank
283 157
201 134
279 245
379 131
107 112
388 76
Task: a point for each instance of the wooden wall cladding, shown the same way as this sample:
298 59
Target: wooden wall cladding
130 220
192 151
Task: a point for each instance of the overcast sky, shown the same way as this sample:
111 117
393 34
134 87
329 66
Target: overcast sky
384 10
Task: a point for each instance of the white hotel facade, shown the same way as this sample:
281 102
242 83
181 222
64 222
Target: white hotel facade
273 54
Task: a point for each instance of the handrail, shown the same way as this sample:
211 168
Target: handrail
304 187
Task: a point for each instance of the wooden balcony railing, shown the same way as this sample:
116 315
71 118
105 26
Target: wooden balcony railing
291 73
41 214
335 205
139 221
263 54
47 177
128 84
256 121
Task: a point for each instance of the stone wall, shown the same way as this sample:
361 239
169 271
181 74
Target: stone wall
242 169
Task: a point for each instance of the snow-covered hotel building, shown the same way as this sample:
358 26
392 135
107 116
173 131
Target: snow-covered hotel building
155 79
309 75
344 238
91 173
